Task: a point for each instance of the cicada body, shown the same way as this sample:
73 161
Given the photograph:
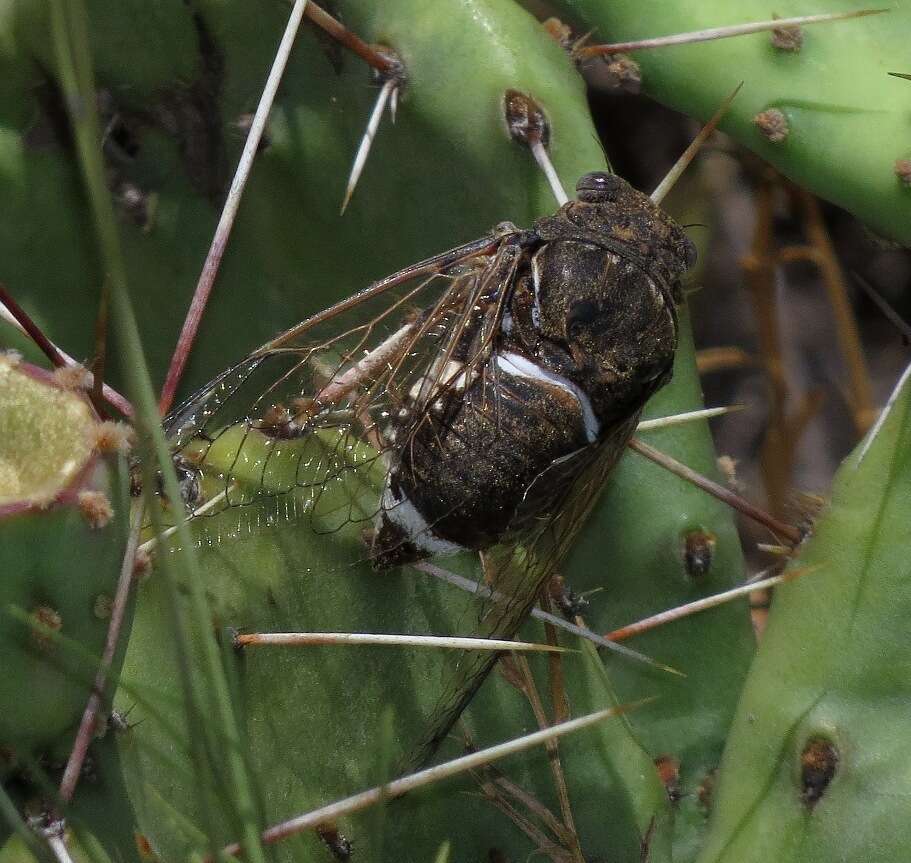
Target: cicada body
587 332
492 388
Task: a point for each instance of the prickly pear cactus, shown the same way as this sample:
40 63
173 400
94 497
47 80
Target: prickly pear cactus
63 516
819 106
817 748
223 749
64 511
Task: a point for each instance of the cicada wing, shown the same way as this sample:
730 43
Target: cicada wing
518 570
328 403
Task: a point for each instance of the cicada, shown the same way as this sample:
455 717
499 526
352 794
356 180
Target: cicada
481 396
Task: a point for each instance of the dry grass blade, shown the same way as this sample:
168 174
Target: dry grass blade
553 754
430 776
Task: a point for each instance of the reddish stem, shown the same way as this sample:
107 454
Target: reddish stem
32 330
383 64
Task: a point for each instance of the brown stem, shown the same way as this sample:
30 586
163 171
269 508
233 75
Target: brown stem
553 754
861 392
777 457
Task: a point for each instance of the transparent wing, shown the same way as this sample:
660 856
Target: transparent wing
517 571
323 408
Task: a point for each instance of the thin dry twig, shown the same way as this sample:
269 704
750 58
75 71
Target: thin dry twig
777 454
859 386
553 756
722 359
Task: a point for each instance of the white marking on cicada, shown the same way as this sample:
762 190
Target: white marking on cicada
448 379
516 364
536 283
405 515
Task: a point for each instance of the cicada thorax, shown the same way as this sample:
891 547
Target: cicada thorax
587 329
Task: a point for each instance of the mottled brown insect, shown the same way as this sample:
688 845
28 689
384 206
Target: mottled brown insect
480 396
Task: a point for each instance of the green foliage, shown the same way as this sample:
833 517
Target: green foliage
847 117
832 668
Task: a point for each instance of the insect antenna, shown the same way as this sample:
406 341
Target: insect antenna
690 152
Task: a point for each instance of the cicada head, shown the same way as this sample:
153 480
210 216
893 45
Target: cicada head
606 286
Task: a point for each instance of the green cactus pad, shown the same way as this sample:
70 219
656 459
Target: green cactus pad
816 768
62 533
44 435
847 120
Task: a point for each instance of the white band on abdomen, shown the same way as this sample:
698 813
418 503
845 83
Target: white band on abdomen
516 364
404 514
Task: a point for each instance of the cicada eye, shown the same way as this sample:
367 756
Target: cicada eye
581 314
598 187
